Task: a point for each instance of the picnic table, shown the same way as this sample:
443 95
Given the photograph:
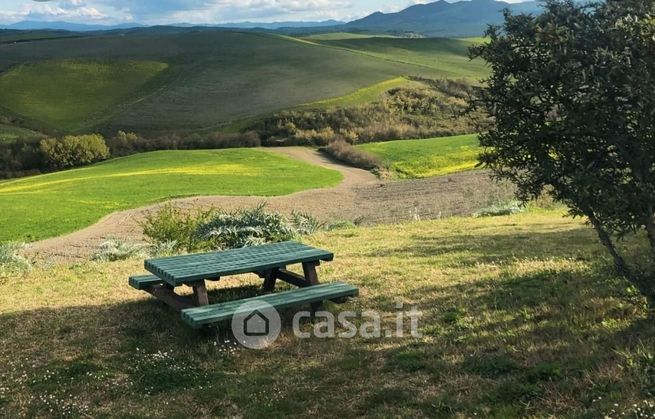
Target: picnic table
269 262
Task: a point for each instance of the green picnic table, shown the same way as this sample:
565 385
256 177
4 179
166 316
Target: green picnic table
269 262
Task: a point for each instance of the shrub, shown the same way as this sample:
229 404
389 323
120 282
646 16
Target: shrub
10 259
123 143
509 208
171 225
431 108
243 228
72 151
163 249
304 223
114 250
348 154
340 224
171 230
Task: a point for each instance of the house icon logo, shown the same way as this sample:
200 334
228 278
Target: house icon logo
256 325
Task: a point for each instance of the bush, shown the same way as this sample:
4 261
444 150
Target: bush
173 231
510 208
243 228
25 157
10 259
431 108
114 250
72 151
173 226
304 223
164 249
340 224
352 156
123 144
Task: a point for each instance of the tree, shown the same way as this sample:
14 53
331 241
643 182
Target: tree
72 151
572 97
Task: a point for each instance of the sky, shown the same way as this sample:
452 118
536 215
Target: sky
194 11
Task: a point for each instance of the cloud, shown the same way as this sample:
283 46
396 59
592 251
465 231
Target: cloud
196 11
221 10
230 10
72 10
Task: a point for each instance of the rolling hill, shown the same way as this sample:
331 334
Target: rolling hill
212 77
447 58
66 93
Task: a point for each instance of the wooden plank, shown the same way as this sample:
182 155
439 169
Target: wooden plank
278 297
182 274
189 268
162 293
291 278
239 255
141 282
271 248
198 317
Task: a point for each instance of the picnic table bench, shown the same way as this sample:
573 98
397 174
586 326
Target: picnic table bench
269 262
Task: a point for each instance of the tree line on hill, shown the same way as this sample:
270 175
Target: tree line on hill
428 108
30 157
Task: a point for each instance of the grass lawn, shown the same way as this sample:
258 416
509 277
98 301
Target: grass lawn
522 317
50 205
426 158
72 95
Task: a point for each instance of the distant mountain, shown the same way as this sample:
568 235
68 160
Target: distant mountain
464 18
78 27
67 26
279 25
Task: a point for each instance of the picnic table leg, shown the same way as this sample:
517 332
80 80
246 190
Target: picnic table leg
311 277
270 277
309 268
200 297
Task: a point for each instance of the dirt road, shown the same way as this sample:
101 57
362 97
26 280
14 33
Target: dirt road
361 196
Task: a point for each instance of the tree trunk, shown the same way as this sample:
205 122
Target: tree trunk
643 285
650 231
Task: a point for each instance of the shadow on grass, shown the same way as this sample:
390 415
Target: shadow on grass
477 246
544 342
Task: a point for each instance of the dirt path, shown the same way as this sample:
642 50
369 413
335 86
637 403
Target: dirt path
361 196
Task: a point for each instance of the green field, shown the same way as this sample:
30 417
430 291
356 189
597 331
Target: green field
448 58
214 78
426 158
522 318
366 95
337 36
11 133
51 205
12 36
73 95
